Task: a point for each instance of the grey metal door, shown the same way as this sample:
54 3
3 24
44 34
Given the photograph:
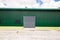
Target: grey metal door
29 21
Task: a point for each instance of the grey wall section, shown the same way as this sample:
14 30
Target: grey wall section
43 18
29 21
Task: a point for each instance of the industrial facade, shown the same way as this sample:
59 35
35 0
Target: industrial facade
14 17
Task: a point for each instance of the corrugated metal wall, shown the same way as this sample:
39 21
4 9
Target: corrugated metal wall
43 18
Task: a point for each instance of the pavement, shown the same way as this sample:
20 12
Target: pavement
29 34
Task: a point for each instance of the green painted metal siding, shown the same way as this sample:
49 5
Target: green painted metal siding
43 18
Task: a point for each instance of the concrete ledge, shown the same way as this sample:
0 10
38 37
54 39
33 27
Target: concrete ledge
48 28
21 28
11 28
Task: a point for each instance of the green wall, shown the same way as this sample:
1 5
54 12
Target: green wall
43 17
